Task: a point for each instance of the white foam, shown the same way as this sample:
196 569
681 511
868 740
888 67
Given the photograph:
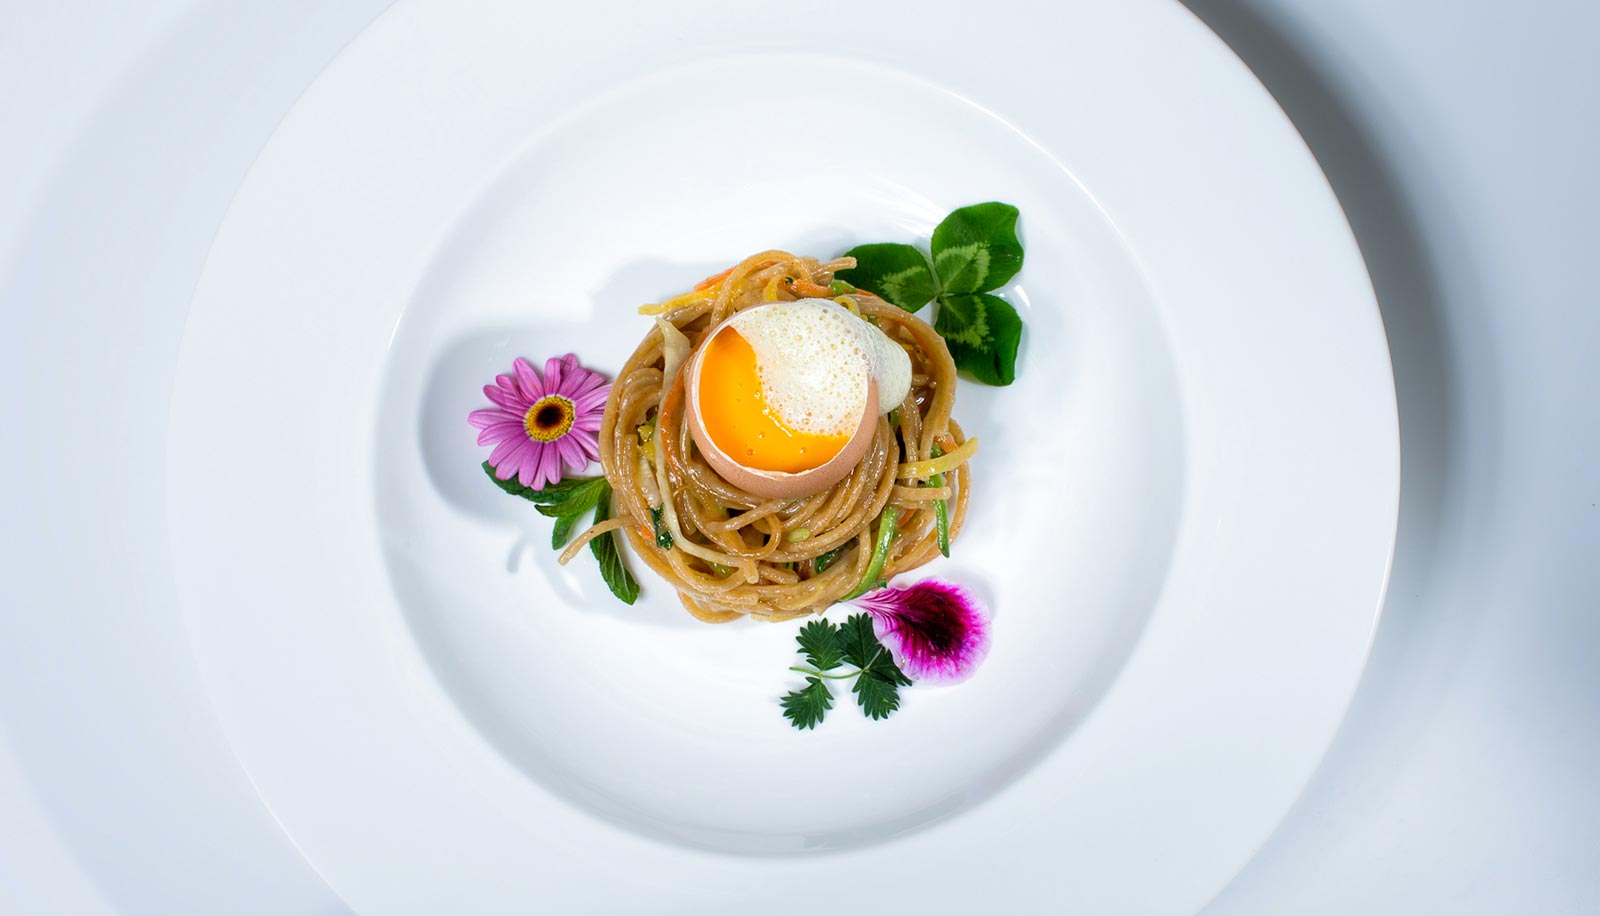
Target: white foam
815 356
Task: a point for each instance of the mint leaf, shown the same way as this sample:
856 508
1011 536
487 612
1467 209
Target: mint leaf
805 707
562 532
976 249
554 493
983 333
605 547
877 695
819 641
898 273
578 500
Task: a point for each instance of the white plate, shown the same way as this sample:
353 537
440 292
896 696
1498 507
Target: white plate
1185 506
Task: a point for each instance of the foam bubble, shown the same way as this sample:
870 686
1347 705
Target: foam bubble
815 356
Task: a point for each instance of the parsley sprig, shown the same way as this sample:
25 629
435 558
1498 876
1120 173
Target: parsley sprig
974 251
827 646
566 502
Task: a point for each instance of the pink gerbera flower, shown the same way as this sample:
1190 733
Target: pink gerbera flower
539 424
937 631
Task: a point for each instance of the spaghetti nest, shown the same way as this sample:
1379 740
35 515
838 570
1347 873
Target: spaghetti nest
730 553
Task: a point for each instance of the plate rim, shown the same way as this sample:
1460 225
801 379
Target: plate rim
395 19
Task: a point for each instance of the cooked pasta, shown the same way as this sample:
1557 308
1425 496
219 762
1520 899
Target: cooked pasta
734 553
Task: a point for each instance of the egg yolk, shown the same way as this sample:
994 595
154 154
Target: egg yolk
738 419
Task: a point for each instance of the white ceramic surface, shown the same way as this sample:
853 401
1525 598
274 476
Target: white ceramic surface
428 706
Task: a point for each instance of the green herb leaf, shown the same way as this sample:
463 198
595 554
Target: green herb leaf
976 249
878 695
562 532
825 559
579 499
880 552
898 273
983 333
861 648
663 533
857 641
554 493
606 549
805 707
819 641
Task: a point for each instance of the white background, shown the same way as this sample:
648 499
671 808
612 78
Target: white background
1462 140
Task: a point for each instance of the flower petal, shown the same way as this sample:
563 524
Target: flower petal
489 416
594 400
528 380
510 401
572 453
580 382
532 458
501 431
589 442
511 466
549 466
937 631
555 369
504 450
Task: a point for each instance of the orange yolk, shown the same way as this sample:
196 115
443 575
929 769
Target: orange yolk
736 416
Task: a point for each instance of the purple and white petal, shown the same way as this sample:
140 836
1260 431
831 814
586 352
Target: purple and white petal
937 631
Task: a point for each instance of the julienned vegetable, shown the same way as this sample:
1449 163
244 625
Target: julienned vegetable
949 461
941 508
880 552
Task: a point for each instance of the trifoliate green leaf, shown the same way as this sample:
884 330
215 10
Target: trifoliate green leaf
878 695
805 707
983 333
857 641
976 249
819 642
898 273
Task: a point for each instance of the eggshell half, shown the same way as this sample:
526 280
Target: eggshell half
779 484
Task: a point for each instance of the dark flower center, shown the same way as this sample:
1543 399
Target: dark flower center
549 418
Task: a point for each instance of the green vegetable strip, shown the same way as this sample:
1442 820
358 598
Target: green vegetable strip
663 535
826 560
880 552
941 508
